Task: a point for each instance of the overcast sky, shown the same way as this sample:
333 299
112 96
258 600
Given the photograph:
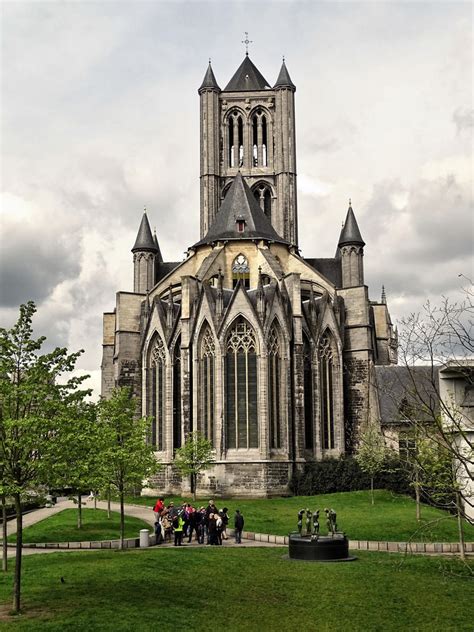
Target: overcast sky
100 116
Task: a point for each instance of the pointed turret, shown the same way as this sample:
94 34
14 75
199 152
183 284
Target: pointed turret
144 240
145 252
247 77
240 217
350 233
351 250
159 257
284 80
209 82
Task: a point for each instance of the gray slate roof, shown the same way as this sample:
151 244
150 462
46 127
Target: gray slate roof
330 268
144 240
405 392
159 257
209 80
239 203
247 77
165 268
284 80
350 233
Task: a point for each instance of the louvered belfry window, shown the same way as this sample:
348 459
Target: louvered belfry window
274 388
158 393
326 386
241 387
207 363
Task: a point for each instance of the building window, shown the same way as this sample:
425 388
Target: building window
308 394
177 395
241 387
326 389
158 393
207 371
241 271
259 139
263 196
235 136
274 388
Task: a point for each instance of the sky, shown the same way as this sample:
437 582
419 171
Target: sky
100 117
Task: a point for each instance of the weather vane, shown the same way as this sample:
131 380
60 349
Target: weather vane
246 41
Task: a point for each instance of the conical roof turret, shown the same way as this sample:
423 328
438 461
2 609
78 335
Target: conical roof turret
240 217
144 240
247 77
209 82
284 80
350 233
159 257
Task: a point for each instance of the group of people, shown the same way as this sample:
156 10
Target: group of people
207 524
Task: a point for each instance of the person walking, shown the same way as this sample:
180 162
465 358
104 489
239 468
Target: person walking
225 521
239 525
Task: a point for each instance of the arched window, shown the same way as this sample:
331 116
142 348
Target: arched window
241 387
241 271
308 394
235 136
259 139
207 392
274 388
326 362
264 197
177 395
158 393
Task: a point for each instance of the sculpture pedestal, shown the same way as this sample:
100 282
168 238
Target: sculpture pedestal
325 549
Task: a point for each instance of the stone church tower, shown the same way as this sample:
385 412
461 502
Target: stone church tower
269 355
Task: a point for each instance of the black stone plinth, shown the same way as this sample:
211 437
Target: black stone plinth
324 549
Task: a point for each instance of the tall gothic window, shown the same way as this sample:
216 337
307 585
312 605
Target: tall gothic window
308 394
274 388
158 393
264 197
177 395
326 370
241 387
207 394
235 137
241 271
259 139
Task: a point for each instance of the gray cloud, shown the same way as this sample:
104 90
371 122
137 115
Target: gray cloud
463 118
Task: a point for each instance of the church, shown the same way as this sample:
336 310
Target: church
269 355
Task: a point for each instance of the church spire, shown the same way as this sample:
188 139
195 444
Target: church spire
350 233
209 82
144 240
284 80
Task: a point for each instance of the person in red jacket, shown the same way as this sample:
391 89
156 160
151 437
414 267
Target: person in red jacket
158 508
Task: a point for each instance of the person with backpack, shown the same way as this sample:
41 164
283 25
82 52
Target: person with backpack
239 526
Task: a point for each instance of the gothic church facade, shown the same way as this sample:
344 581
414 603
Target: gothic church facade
268 354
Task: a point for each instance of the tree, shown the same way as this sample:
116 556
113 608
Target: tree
371 454
127 456
193 457
439 339
33 403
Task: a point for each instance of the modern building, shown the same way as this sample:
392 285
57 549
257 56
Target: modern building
268 354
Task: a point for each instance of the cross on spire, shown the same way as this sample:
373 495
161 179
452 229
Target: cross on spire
246 41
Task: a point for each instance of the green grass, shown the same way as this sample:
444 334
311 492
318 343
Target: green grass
62 527
238 589
391 518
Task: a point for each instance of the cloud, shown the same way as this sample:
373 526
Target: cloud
463 118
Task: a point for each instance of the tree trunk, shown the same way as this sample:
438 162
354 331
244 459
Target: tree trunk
19 545
108 503
79 511
194 482
372 490
462 553
4 534
417 498
122 519
95 501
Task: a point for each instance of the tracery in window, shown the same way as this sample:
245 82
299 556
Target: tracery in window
241 271
235 137
158 393
241 387
259 139
206 385
274 388
326 370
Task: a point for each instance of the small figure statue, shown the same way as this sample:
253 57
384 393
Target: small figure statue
300 520
316 525
331 521
308 521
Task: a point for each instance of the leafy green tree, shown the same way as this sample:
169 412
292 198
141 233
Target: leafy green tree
371 454
127 457
193 457
33 403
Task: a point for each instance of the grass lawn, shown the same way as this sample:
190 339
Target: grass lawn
391 518
62 527
238 589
